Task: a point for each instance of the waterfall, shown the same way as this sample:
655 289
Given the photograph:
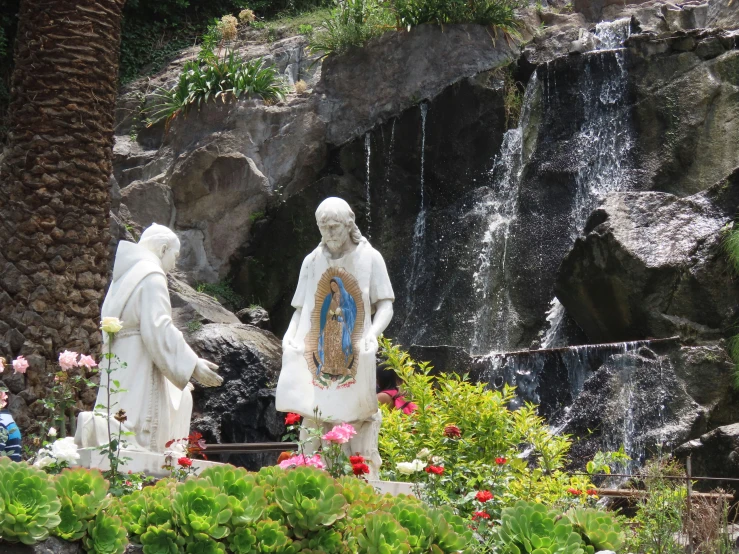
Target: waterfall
419 228
368 152
603 143
495 312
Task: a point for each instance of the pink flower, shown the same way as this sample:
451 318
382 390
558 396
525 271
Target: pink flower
20 364
2 365
87 361
68 360
340 434
3 399
300 460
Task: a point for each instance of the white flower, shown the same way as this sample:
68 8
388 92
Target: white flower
111 325
423 453
437 460
407 468
43 459
52 432
64 450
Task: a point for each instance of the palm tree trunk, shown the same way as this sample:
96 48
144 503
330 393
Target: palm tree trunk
54 196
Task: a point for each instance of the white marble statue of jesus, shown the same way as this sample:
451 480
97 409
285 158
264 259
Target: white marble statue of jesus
329 349
159 363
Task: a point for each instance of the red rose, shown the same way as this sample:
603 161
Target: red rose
574 492
484 496
185 462
591 492
438 470
452 431
481 515
500 461
356 460
360 469
292 418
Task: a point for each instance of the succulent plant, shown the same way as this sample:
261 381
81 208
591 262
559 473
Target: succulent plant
265 537
161 540
201 509
599 529
203 544
149 507
310 499
327 541
360 495
452 532
267 479
382 535
415 519
82 493
528 527
105 535
29 505
246 499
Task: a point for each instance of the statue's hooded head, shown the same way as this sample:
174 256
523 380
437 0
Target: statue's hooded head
336 222
163 243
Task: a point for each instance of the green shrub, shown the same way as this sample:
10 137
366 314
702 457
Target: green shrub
530 527
225 77
105 535
82 493
352 24
29 504
599 529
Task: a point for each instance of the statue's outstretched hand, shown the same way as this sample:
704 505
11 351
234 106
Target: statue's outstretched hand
205 373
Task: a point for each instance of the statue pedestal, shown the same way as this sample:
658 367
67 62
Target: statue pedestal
147 462
393 487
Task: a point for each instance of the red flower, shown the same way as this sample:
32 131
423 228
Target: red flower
292 418
574 492
484 496
481 515
356 460
438 470
452 431
591 492
500 461
360 469
129 484
185 462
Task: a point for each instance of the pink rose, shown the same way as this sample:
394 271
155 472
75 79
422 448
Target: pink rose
87 361
340 434
20 364
68 360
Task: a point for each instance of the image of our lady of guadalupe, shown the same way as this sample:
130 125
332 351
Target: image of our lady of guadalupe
338 316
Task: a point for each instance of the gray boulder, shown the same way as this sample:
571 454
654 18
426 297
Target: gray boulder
191 309
651 265
242 409
256 316
714 454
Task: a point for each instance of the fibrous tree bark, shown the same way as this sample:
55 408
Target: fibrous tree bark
54 178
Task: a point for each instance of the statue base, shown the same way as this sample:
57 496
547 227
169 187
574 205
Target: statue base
392 487
149 463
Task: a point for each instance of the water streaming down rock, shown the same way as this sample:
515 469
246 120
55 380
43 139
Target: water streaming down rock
367 204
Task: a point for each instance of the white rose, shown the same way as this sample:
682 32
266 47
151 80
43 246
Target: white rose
418 465
111 325
423 453
64 450
43 459
406 468
52 432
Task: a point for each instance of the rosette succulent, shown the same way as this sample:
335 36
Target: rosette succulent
264 538
360 495
82 492
246 499
201 509
149 507
310 499
105 535
528 527
327 541
161 540
203 544
451 532
599 529
383 535
415 519
29 504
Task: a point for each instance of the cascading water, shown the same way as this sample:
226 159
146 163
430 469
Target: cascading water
419 228
368 153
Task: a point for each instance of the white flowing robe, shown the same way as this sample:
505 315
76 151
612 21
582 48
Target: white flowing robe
159 363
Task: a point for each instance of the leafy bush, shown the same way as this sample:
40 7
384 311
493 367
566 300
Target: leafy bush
29 504
352 24
530 527
82 493
600 530
226 77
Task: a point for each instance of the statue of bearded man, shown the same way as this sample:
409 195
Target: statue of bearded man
159 363
328 360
